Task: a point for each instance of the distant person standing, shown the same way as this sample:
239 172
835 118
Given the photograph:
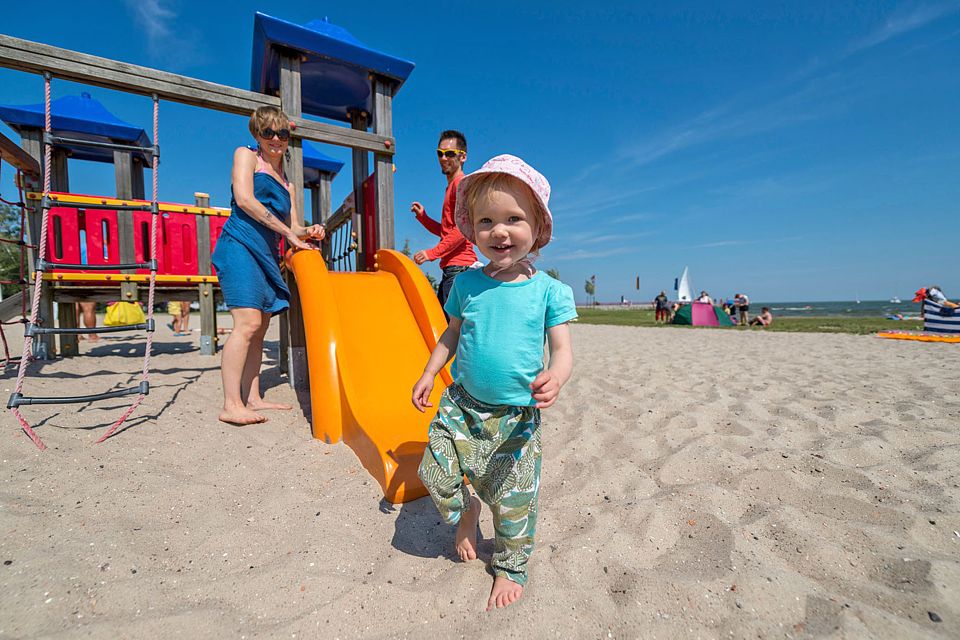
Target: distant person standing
705 298
662 307
455 252
743 307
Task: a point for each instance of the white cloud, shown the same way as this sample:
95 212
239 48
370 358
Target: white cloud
167 40
904 23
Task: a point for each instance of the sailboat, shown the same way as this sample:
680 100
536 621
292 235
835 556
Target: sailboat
894 300
682 287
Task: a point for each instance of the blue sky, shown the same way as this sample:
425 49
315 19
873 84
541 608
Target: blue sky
795 151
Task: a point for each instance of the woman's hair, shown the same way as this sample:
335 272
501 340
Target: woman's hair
265 117
481 185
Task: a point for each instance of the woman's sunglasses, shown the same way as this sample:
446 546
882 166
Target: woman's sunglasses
449 153
268 133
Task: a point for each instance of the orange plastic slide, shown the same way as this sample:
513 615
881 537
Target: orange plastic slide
369 334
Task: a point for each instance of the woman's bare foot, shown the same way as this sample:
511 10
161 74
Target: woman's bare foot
263 405
504 593
467 532
241 417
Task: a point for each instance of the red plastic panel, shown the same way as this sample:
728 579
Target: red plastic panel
141 240
370 240
180 243
103 246
63 237
216 226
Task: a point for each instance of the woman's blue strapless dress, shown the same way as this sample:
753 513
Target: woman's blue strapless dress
246 256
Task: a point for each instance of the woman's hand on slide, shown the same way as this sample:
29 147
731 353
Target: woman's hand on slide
297 243
315 232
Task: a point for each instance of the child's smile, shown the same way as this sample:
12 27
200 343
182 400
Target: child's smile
504 223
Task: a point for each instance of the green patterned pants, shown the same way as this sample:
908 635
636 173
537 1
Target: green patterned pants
498 449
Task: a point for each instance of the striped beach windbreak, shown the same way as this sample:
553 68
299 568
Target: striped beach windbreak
938 318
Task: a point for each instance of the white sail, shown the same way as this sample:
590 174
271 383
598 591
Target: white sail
683 288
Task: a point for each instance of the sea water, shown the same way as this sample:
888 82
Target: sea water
849 309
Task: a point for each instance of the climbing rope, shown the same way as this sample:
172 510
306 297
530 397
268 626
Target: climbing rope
42 252
145 374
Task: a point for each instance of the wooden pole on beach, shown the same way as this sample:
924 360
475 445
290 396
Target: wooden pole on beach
293 338
208 303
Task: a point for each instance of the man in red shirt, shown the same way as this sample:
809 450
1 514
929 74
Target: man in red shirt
454 251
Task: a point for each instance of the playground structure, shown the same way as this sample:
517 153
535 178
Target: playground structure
362 331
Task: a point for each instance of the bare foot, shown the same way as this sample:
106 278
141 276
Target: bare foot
241 417
467 532
262 405
504 593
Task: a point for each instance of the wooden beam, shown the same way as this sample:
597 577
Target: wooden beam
34 57
383 163
293 337
11 152
361 167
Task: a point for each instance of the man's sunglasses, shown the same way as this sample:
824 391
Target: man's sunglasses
268 133
450 153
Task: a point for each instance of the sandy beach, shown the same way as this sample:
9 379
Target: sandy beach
696 484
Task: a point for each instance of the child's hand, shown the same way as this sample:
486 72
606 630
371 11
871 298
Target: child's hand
421 392
546 388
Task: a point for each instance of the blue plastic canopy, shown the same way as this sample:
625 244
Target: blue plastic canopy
334 65
78 117
315 163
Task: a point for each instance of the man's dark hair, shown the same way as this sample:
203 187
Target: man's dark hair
453 134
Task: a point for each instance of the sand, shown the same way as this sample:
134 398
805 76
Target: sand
696 484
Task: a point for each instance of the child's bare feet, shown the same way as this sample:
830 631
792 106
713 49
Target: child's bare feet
241 416
504 593
263 405
467 531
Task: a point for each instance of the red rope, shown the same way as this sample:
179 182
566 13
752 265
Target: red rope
154 223
35 309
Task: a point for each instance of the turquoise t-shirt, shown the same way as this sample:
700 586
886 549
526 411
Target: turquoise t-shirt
504 327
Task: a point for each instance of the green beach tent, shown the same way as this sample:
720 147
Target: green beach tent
701 314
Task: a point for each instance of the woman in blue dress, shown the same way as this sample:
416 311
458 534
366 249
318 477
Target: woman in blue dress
263 210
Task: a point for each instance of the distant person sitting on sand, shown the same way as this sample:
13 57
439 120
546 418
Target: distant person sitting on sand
487 426
765 319
936 295
705 298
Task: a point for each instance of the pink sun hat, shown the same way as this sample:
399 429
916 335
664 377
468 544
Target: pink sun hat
512 166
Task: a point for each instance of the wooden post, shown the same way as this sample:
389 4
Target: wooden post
136 180
66 311
358 120
123 173
293 339
383 162
45 346
323 205
208 303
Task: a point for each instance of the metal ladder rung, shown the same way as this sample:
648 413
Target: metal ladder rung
18 399
49 203
36 330
116 146
44 265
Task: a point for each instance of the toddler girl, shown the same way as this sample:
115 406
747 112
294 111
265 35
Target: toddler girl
487 426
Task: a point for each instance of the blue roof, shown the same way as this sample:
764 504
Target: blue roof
315 162
334 67
77 117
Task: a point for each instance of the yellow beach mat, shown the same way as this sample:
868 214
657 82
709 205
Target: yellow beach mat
921 336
